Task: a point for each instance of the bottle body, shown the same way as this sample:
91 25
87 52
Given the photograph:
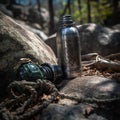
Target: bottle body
68 49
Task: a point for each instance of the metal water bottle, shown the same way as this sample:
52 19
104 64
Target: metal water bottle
68 47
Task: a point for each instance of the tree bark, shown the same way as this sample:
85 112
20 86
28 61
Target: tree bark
51 14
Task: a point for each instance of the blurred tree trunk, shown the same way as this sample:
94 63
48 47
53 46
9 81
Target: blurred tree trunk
39 5
98 9
7 2
10 3
89 10
79 7
51 14
115 6
68 6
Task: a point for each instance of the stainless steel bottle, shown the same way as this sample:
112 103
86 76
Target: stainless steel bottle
68 47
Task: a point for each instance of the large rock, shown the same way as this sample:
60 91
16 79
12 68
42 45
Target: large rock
100 88
94 38
75 112
16 42
40 33
39 17
91 87
5 10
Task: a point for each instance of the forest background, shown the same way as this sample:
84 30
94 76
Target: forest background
104 12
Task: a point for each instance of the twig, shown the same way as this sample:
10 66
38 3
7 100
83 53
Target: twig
101 63
107 64
113 56
89 56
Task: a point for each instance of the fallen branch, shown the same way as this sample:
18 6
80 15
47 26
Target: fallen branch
103 64
113 56
89 56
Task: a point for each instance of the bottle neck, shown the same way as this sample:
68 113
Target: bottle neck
66 21
51 72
